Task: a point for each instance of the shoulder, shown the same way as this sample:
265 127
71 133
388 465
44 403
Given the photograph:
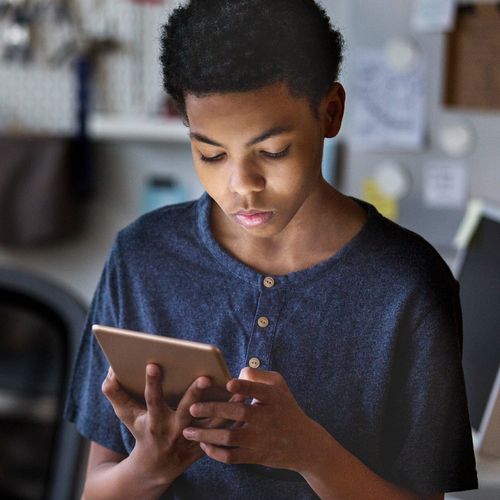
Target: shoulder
180 217
166 228
402 259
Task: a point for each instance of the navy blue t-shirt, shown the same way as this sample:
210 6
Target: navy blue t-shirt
369 342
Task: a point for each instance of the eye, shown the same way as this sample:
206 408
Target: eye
276 155
211 159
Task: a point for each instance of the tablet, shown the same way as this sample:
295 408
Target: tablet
182 361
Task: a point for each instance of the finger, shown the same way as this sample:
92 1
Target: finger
237 398
125 407
192 395
219 437
153 394
262 376
221 423
239 412
229 455
262 391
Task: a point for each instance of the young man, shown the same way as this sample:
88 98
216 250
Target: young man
344 328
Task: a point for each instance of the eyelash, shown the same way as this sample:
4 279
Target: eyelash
214 159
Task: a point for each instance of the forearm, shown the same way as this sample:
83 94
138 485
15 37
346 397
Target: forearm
124 480
336 474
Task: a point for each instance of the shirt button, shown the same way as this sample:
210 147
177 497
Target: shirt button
269 282
263 322
254 362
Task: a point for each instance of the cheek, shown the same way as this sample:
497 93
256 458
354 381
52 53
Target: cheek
211 177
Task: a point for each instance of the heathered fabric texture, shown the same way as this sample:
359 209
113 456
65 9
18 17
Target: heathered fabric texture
369 342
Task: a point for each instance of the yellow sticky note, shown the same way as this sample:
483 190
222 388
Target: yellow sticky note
386 205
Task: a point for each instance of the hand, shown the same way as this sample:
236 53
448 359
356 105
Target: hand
161 451
273 430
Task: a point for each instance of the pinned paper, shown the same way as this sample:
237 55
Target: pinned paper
433 16
388 104
387 205
444 184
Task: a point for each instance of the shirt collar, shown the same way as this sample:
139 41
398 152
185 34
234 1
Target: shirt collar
254 277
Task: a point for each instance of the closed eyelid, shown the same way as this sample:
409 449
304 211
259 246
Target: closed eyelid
272 155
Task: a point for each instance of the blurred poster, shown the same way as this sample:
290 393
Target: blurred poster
389 104
433 16
444 184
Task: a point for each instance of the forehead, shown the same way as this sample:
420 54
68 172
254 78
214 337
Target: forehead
270 103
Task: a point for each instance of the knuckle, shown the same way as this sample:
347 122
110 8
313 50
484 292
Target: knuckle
106 387
152 399
244 413
205 409
154 429
226 456
228 439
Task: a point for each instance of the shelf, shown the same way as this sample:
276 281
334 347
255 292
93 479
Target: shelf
137 128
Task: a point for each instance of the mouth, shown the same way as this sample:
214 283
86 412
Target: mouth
252 218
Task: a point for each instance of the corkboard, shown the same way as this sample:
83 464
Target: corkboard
472 77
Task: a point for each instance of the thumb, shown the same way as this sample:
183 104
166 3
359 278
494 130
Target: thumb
125 407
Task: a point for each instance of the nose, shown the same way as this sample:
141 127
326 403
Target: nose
245 178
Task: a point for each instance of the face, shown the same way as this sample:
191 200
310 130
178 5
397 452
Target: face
258 154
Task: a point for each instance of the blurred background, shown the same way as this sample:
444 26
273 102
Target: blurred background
89 141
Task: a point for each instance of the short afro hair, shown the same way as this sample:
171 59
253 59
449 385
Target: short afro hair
220 46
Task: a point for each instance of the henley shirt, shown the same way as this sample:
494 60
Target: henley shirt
369 342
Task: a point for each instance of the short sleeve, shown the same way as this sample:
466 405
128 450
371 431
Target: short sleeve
427 433
86 405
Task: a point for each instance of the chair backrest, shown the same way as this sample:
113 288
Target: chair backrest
40 327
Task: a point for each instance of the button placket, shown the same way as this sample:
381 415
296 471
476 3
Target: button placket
264 326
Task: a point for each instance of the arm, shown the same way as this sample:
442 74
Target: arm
111 475
277 433
352 478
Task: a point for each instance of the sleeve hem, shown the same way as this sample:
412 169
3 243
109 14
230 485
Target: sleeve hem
91 430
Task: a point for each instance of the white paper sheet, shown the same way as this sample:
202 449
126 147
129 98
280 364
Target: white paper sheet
433 16
444 184
389 106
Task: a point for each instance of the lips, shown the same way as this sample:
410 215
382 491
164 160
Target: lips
252 218
251 212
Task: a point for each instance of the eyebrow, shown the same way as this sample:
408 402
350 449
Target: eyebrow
262 137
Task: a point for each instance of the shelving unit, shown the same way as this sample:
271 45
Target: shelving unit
137 128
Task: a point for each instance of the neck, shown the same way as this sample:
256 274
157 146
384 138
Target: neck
322 225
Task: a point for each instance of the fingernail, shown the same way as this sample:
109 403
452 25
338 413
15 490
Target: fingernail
194 408
109 372
152 370
188 433
203 383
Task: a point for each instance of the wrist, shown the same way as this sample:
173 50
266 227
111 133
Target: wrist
143 466
319 452
316 451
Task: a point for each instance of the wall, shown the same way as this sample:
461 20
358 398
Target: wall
369 24
122 167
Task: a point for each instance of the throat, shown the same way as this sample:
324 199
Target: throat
307 249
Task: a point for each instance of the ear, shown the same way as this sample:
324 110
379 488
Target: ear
333 109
